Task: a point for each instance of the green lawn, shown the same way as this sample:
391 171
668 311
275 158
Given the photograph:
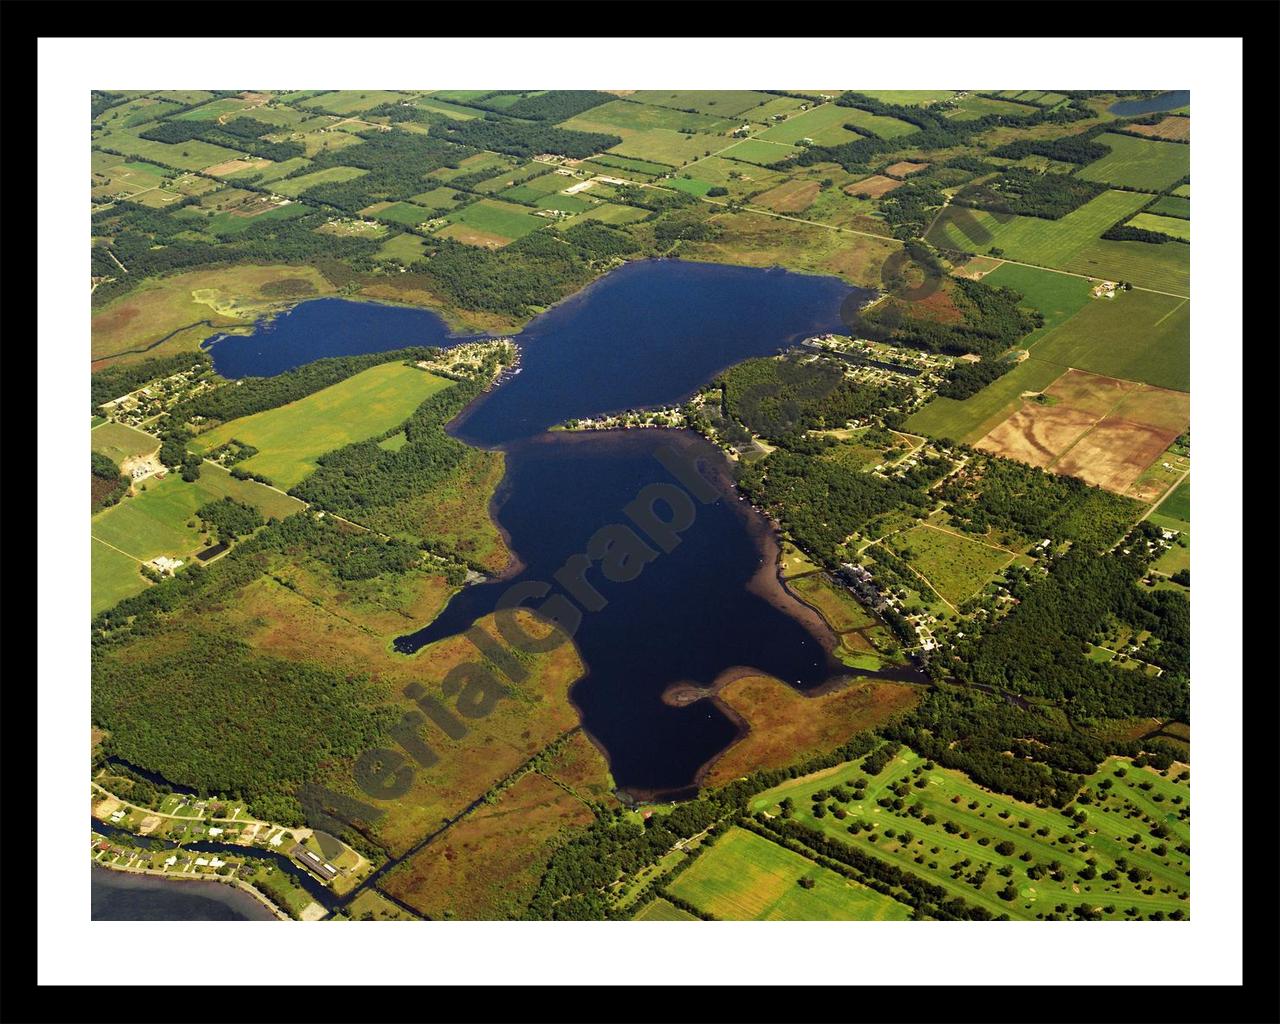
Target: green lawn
1137 335
744 877
1115 827
118 441
1139 163
292 437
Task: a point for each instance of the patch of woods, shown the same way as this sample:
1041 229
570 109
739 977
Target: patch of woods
229 518
108 484
522 139
1028 193
243 134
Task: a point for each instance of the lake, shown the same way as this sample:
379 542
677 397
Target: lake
117 896
650 333
1152 105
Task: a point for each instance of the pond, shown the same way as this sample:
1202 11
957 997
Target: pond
1152 104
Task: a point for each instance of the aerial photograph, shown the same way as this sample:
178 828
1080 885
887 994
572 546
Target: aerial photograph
638 505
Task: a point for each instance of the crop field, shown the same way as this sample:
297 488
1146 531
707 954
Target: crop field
473 165
624 118
508 177
885 127
568 204
154 522
290 438
821 124
791 197
873 187
534 189
351 101
1178 504
973 107
294 187
1049 243
1175 227
405 248
611 213
187 156
119 441
694 186
744 877
1182 190
1139 163
494 218
716 102
437 198
908 97
1177 129
665 146
956 567
135 112
660 910
970 419
397 213
629 164
958 840
759 151
1171 206
1142 336
1057 296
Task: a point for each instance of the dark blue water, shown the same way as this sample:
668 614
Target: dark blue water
116 896
649 333
321 328
1153 105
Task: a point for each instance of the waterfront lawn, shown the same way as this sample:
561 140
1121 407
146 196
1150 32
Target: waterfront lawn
837 606
744 877
292 437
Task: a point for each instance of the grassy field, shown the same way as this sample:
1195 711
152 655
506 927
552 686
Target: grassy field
660 910
495 218
1074 242
154 522
664 146
823 124
909 97
715 102
837 605
118 441
291 437
1172 206
1139 163
758 151
1125 804
1178 503
189 156
972 107
955 566
1141 336
1057 296
622 117
294 187
398 213
744 877
406 248
351 101
970 419
1175 227
885 127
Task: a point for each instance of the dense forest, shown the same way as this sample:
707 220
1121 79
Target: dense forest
991 321
1030 194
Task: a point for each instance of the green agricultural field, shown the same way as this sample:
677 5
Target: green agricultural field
821 124
534 189
187 156
1175 227
1073 243
908 97
626 163
716 102
1177 505
744 877
1183 190
694 186
494 217
214 110
885 127
473 165
622 117
569 204
1143 336
274 172
406 248
290 438
1119 821
667 147
398 213
294 187
453 110
972 107
437 198
118 441
135 112
956 567
758 151
352 101
660 910
1172 206
233 223
1057 296
970 419
1139 163
154 522
610 213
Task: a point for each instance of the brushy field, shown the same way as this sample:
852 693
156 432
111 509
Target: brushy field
785 725
294 187
292 437
154 522
956 567
118 441
1139 163
744 877
229 297
398 213
660 910
841 610
956 843
1142 336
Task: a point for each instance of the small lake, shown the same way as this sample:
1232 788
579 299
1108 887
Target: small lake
117 896
650 333
1152 104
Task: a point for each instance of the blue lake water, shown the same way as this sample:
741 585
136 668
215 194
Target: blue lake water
649 333
116 896
1152 105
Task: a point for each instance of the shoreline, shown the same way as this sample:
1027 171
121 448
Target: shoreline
164 876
